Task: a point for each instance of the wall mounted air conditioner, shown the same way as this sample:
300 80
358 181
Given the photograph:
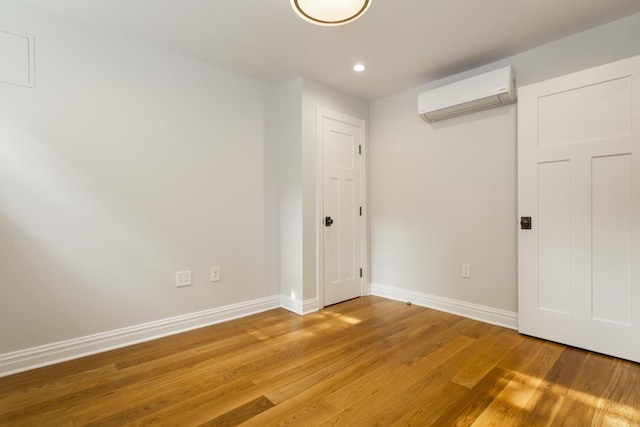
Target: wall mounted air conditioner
482 92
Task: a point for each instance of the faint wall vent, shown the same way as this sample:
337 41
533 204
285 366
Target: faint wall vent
18 59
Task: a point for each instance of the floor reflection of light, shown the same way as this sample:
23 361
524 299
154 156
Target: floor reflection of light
349 320
524 392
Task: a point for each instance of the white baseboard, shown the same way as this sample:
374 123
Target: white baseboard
495 316
299 307
36 357
49 354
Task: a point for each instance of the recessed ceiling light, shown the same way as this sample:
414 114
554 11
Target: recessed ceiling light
359 68
330 12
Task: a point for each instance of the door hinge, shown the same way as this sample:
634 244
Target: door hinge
360 272
360 210
360 149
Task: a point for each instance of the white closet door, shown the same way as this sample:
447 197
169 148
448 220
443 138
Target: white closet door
579 181
341 140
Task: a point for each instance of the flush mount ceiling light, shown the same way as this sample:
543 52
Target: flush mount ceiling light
330 12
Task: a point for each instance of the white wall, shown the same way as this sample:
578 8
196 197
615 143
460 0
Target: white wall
123 165
291 190
445 194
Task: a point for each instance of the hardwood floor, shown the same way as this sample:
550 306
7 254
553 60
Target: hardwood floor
368 361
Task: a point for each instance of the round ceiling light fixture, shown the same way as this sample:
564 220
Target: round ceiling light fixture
330 12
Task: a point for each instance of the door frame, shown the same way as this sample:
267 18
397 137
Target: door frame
323 113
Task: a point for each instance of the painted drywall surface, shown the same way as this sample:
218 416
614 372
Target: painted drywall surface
442 196
122 166
445 194
316 95
271 185
290 98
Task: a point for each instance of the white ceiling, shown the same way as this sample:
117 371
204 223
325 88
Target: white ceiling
403 42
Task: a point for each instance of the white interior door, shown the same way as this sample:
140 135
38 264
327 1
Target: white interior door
341 142
579 180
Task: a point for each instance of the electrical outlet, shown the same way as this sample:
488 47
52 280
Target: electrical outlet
215 274
183 278
466 271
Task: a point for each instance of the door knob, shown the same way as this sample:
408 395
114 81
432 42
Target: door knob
525 222
328 221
